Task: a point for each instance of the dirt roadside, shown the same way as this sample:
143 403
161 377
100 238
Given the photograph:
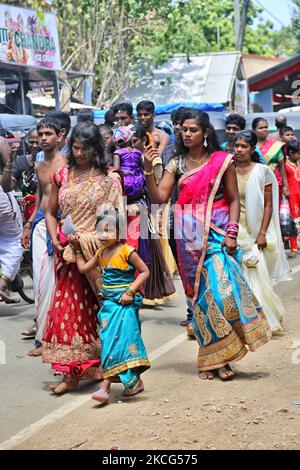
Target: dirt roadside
256 410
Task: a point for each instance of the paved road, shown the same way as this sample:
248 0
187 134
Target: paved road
25 398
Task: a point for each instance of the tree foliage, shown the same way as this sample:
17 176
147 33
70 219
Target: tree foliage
112 37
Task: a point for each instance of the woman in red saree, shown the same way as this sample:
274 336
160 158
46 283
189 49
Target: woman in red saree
79 190
272 153
227 320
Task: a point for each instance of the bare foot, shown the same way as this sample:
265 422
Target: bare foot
35 352
65 386
225 373
190 331
207 375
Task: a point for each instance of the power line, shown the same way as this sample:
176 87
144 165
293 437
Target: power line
270 13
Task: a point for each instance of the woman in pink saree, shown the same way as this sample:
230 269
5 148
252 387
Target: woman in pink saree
79 191
272 154
227 320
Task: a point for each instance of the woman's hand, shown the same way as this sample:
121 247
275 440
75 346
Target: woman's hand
230 244
150 153
57 246
74 241
126 299
261 241
13 151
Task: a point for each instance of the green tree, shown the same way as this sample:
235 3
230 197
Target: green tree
114 38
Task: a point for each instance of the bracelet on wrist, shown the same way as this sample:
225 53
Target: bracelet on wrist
148 173
129 293
28 223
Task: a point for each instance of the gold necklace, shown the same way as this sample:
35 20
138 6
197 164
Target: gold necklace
197 161
88 184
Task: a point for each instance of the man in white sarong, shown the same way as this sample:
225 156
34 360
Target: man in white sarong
49 135
11 250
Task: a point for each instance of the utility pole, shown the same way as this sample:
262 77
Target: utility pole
240 21
237 22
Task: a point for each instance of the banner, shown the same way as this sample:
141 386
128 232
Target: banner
29 37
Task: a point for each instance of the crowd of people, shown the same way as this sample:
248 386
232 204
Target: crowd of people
114 213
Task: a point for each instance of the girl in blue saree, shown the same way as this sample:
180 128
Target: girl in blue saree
123 354
227 319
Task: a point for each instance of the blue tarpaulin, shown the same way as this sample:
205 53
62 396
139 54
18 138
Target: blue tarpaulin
168 108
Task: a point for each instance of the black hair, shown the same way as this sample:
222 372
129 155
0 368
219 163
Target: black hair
109 117
89 135
84 115
256 121
176 114
141 133
126 107
280 121
203 121
251 138
105 127
61 117
33 129
146 105
293 146
112 216
284 129
50 123
236 119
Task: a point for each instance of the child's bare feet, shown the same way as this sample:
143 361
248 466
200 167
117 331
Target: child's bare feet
207 375
225 373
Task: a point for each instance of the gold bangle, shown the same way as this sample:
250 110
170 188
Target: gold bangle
148 173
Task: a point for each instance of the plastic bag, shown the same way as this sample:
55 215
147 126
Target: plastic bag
287 223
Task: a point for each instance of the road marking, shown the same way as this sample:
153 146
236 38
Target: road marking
27 432
50 418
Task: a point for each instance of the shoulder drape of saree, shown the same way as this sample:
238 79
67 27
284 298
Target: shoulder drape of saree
270 152
254 201
198 189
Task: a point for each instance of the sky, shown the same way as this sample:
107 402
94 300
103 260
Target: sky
281 9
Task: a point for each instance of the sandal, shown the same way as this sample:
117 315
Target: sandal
138 388
30 332
101 396
184 323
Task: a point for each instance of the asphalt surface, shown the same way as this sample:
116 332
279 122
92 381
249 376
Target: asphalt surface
25 398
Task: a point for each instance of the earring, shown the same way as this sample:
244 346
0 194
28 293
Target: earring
205 142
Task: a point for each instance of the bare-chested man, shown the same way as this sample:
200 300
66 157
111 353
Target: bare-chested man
49 136
159 139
